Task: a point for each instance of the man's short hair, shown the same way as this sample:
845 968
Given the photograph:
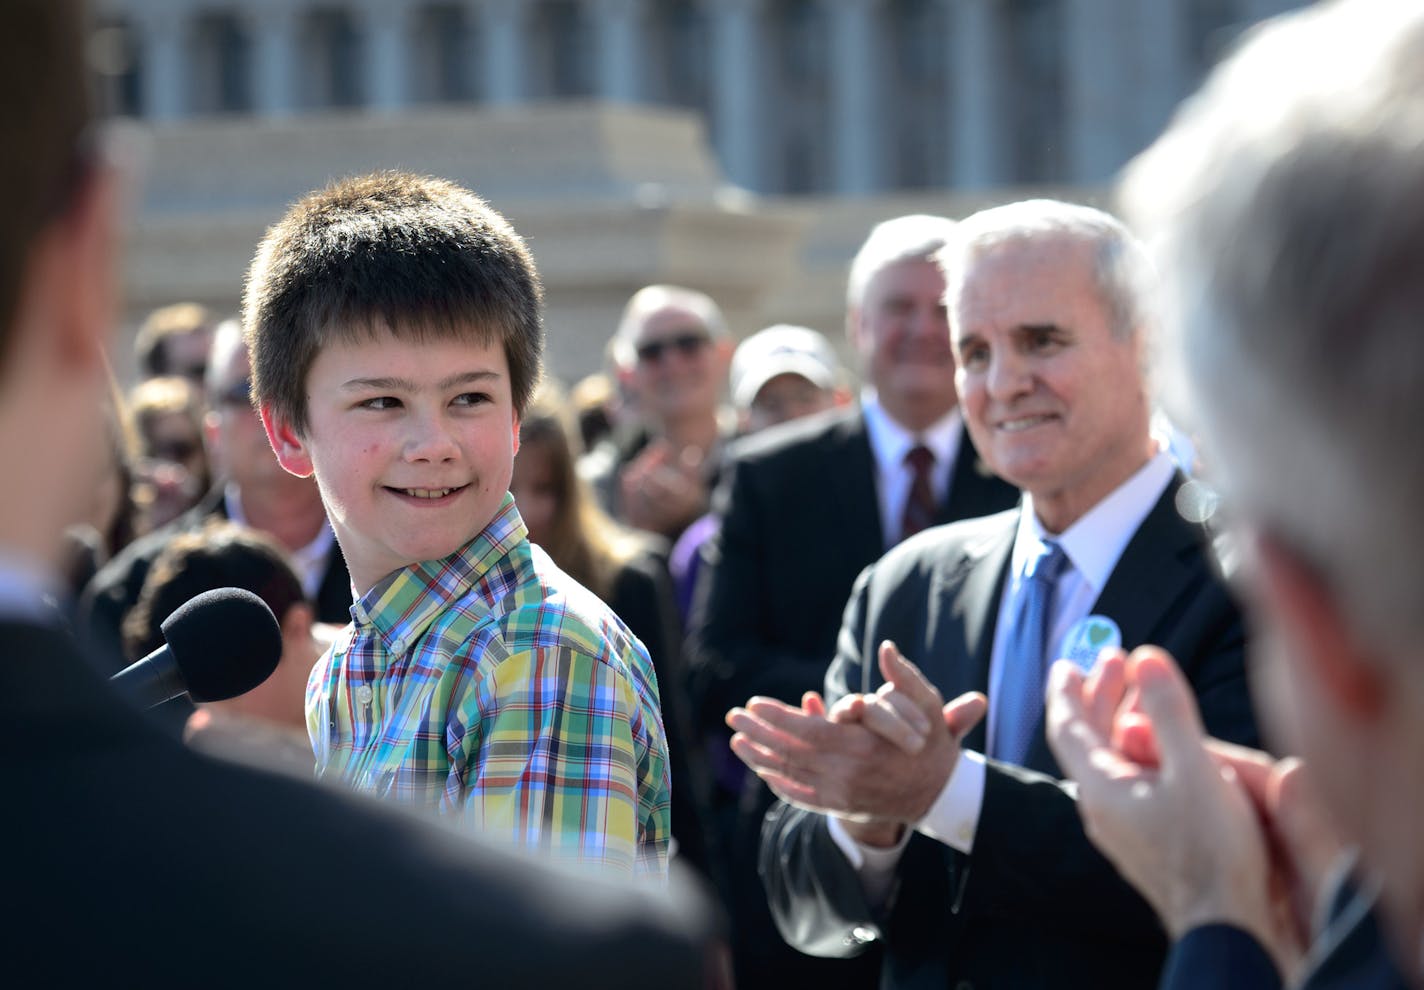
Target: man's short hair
390 252
652 298
151 343
916 237
1120 264
43 130
1287 205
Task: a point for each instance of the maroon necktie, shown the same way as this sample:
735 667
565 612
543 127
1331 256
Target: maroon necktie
920 505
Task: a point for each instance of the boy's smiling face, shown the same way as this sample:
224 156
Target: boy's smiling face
412 443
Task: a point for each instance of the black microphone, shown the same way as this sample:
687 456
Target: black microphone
221 644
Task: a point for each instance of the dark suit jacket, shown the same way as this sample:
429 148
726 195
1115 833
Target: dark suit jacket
133 861
800 519
1348 954
115 589
1035 905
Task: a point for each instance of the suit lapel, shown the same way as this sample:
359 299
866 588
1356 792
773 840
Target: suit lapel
852 473
1154 567
974 604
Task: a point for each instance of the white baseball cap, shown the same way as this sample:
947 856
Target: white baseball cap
782 349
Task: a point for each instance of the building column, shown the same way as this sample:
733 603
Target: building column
274 63
738 42
622 49
503 51
166 82
385 27
1099 97
858 107
1162 66
977 126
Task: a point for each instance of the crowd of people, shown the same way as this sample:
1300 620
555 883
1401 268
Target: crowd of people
735 664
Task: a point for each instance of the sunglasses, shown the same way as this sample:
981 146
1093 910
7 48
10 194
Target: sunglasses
686 344
236 394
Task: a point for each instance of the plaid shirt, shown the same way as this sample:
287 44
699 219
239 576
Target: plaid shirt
492 685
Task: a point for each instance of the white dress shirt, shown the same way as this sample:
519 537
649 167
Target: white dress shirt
1093 545
890 442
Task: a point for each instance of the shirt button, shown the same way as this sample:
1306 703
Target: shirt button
862 934
364 694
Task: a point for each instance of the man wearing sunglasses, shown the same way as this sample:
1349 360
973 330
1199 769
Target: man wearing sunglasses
251 489
672 350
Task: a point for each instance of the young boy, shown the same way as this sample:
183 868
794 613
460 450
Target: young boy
394 329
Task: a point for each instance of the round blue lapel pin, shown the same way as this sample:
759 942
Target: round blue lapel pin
1089 636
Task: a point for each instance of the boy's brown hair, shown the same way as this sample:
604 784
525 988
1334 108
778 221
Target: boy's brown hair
412 255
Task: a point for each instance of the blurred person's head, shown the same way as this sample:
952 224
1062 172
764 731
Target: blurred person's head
895 319
225 555
596 402
238 449
560 512
1048 328
167 414
783 373
674 346
57 285
1287 206
174 340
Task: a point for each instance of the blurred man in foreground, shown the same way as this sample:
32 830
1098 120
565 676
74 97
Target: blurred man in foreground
1288 205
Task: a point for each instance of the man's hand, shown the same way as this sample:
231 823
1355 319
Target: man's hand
878 760
1185 819
662 491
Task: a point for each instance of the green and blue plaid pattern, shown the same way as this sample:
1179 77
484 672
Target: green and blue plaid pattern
491 685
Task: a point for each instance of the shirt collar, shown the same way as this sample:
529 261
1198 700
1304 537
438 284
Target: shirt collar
27 591
309 561
403 604
891 442
1095 542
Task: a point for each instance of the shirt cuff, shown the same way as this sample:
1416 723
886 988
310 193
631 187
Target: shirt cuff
875 865
954 817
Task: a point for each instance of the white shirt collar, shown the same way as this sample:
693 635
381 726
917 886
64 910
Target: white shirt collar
890 442
1096 541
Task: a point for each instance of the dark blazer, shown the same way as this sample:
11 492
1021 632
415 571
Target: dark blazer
800 519
134 861
1348 954
1035 905
116 587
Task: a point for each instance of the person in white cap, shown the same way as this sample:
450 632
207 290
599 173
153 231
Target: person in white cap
783 373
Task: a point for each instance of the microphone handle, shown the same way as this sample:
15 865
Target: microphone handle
151 681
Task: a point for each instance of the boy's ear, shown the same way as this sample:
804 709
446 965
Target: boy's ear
516 432
289 447
1323 642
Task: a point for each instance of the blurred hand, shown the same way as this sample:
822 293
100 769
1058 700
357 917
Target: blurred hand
661 490
1202 829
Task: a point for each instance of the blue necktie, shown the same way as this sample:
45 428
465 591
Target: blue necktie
1020 701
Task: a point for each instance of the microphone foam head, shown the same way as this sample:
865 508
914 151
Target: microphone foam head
225 642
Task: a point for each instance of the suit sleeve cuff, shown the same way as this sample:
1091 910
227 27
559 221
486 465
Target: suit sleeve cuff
875 865
954 817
